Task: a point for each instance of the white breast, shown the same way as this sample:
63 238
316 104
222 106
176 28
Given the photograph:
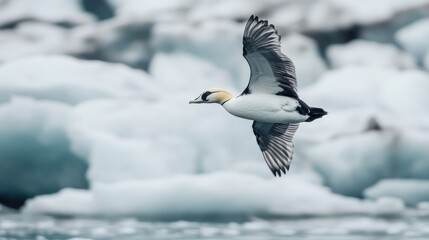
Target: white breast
265 108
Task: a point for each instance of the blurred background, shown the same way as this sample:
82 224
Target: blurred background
98 141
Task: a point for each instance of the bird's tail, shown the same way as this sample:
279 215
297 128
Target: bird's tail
315 113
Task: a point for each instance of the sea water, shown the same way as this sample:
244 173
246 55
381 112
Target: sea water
21 226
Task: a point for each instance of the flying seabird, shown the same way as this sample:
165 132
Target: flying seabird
270 98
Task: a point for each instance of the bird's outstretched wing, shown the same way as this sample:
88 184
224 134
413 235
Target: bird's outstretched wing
272 72
275 142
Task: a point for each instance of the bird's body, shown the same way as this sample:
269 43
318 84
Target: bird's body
270 99
265 108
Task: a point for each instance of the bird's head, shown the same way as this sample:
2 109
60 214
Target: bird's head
213 95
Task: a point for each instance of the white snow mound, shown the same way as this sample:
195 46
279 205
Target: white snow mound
69 80
362 53
411 191
217 194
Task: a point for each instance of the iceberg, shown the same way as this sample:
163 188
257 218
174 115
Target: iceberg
31 38
367 53
68 12
366 139
219 42
107 131
343 89
350 164
224 9
136 8
304 53
426 62
411 154
328 15
38 97
128 130
35 154
116 40
134 147
215 195
69 80
413 38
410 191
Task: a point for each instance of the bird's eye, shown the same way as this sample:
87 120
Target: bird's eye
205 95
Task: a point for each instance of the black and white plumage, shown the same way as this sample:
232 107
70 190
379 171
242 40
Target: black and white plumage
271 71
270 98
275 141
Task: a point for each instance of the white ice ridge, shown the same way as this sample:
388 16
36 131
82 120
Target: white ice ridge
411 191
65 11
367 53
413 38
215 194
69 80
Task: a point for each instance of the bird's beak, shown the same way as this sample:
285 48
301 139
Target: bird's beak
196 101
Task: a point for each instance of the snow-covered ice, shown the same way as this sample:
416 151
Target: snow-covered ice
128 132
130 119
412 154
304 53
349 164
31 38
61 12
216 194
35 154
115 40
366 139
344 89
215 9
218 41
152 9
412 192
69 80
366 53
413 38
426 62
328 15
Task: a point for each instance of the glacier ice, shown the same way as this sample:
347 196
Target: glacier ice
313 15
224 9
123 132
216 41
304 53
349 164
61 12
413 38
118 40
411 191
31 38
426 62
366 139
381 88
35 154
411 155
152 9
66 79
127 133
209 195
224 39
356 53
135 124
326 15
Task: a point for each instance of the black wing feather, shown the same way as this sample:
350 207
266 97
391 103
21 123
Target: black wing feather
261 48
275 142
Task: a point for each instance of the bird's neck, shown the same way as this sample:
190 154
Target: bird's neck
223 97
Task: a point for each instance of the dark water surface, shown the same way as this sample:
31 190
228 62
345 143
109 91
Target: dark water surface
21 226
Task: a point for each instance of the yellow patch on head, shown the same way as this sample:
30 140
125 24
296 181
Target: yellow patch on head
220 95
